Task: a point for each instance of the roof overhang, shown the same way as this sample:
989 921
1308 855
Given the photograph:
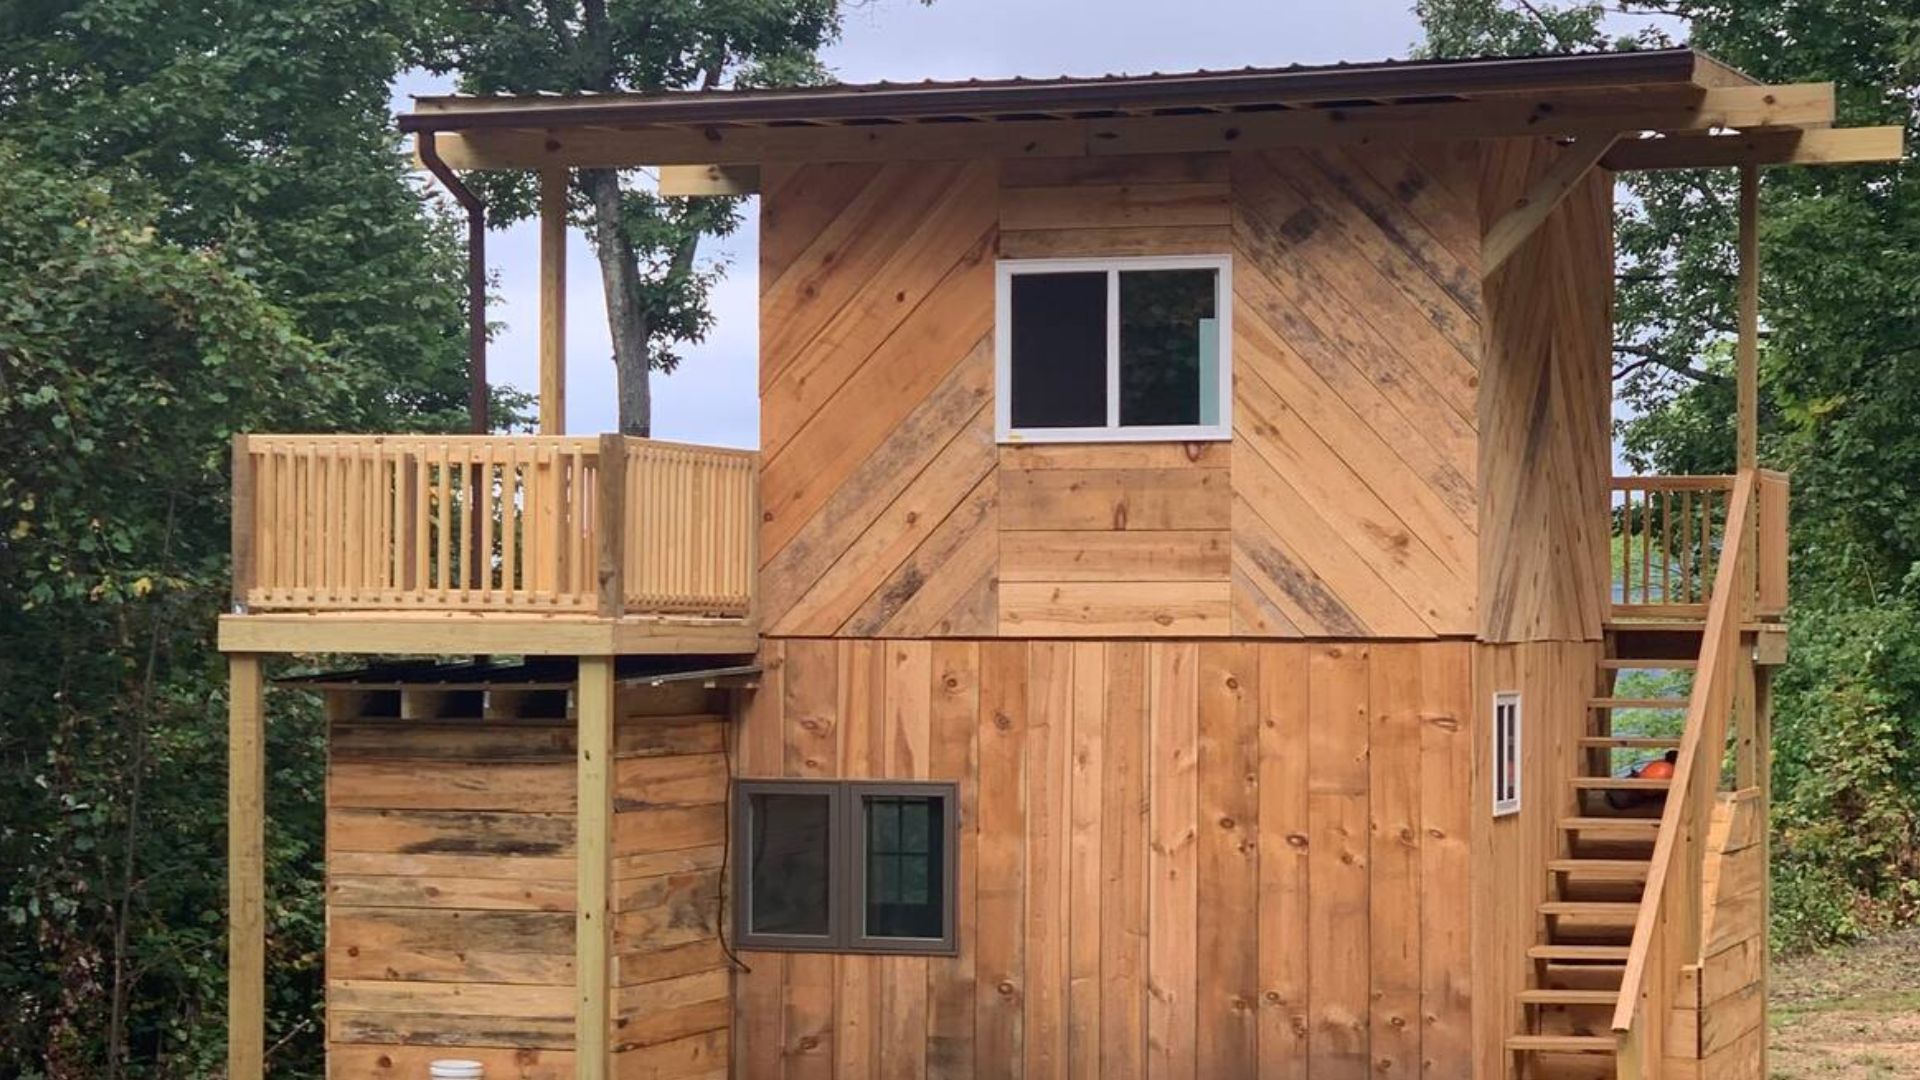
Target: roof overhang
1634 96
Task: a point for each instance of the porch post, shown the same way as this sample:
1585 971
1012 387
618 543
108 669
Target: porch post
1747 356
553 301
593 854
246 869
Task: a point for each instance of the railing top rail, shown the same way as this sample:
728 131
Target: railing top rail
1723 612
280 440
1673 483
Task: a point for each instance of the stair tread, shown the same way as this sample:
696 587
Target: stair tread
1610 824
1578 952
1619 783
1569 997
1637 703
1589 907
1629 742
1567 1044
1657 625
1630 869
1654 663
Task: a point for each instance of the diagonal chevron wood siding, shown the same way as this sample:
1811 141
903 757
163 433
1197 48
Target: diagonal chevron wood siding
1349 502
1544 406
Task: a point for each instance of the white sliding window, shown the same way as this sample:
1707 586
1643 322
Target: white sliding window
1114 350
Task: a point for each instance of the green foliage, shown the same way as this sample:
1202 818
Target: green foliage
656 293
206 226
1839 386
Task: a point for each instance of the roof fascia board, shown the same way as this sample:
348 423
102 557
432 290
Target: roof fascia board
1746 108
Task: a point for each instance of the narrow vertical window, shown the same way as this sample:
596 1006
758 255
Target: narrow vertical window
1506 752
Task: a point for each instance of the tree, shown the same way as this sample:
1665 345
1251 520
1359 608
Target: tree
1839 387
646 245
206 225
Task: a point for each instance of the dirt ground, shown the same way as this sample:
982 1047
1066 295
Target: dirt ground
1849 1014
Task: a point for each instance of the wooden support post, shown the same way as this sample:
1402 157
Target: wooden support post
1534 208
242 535
246 869
553 301
1747 355
593 860
610 506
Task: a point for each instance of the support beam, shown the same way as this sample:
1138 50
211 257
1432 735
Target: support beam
593 861
553 301
1747 352
1817 146
1531 210
246 869
709 179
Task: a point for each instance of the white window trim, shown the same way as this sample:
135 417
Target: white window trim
1004 272
1503 807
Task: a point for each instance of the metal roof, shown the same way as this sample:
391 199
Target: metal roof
1253 88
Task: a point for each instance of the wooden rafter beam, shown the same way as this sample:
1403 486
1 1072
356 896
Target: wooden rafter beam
709 180
1533 208
1743 107
1821 146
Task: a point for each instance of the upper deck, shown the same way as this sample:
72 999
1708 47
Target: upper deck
511 544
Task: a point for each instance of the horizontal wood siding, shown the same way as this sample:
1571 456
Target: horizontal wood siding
1345 504
450 886
1179 858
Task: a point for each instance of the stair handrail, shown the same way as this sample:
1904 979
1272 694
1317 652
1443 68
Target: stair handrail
1696 769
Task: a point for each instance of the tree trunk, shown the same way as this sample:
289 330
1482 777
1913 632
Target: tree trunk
626 312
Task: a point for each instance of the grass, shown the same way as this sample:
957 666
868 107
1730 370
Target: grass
1848 1014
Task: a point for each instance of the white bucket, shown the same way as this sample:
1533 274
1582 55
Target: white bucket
455 1069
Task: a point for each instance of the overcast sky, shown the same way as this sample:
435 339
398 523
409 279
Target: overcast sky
711 399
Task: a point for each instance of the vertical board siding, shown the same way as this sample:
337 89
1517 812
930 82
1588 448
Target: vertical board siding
1177 859
1509 854
1346 504
450 886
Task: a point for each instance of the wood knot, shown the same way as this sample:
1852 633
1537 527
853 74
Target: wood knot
950 682
1005 988
809 1042
1233 682
1298 840
1002 721
1227 823
1272 997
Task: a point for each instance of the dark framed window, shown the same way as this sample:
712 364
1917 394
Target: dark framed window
845 865
1114 350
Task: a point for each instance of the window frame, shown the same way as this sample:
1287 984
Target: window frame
1005 270
846 866
1505 804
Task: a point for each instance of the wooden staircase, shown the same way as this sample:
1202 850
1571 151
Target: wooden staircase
1606 841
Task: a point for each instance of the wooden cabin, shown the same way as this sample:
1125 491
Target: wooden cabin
1180 619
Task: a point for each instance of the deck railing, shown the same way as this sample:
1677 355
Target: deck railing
1667 931
1669 536
593 525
